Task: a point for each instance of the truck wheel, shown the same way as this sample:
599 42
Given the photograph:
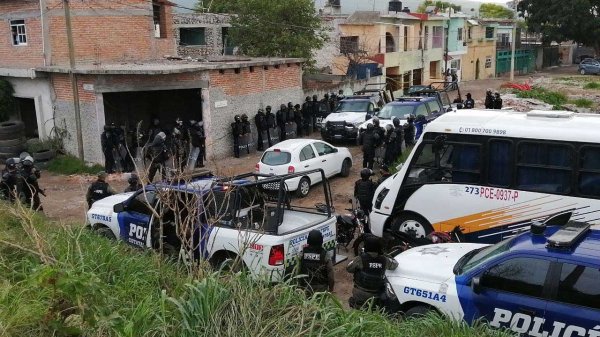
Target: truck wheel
418 311
412 224
346 165
303 187
582 71
106 233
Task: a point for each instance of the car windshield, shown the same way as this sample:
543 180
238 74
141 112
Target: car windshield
395 110
352 106
476 257
275 158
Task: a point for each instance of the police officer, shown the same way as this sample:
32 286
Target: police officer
134 183
11 185
246 132
379 131
281 119
153 130
469 102
99 189
236 132
385 173
419 125
369 273
198 140
271 124
316 264
399 136
261 127
497 101
364 190
298 120
107 144
390 145
306 115
31 188
489 99
409 131
341 95
316 111
367 139
290 118
159 154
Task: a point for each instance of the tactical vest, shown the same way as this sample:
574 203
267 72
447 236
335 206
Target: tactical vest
99 190
314 264
364 191
371 276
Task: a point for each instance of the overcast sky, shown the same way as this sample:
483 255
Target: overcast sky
348 6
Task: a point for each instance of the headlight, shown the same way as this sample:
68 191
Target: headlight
380 197
390 291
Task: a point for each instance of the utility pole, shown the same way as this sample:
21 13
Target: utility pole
512 55
447 42
73 79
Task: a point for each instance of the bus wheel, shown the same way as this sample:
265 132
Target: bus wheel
412 224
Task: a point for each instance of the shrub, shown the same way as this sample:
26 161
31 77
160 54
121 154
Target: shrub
583 103
555 98
592 85
68 164
7 100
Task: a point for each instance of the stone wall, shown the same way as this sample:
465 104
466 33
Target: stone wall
212 24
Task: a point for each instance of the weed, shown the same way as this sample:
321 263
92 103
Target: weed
583 103
592 85
71 165
551 97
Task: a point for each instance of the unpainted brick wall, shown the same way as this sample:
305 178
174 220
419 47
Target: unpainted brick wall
23 56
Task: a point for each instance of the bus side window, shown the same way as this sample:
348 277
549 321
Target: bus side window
544 167
499 163
466 162
589 171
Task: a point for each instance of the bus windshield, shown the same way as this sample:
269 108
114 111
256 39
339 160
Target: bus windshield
394 110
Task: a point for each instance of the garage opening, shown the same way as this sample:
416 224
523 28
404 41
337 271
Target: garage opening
129 108
26 113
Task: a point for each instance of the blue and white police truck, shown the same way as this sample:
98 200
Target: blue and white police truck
234 219
542 283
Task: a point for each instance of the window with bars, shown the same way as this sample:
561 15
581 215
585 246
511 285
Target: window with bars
348 44
460 34
19 34
438 37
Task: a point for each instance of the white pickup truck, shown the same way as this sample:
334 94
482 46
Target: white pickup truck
243 217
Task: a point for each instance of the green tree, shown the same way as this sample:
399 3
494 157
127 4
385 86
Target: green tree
442 5
7 100
495 11
217 6
282 28
557 20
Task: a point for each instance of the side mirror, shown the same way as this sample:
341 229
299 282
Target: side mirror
377 109
476 284
335 150
118 208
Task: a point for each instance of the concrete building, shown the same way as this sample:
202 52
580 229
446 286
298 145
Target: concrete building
123 75
457 44
480 60
201 35
407 47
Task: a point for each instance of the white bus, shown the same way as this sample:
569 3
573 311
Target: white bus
492 172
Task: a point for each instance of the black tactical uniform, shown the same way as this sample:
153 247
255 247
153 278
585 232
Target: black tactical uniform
399 136
199 140
98 190
469 102
369 273
364 190
316 264
315 111
11 185
31 188
261 127
390 145
379 131
489 100
108 145
409 131
298 120
271 125
497 101
246 132
306 115
367 139
236 131
159 154
280 118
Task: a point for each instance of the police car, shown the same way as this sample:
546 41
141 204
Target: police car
234 218
543 283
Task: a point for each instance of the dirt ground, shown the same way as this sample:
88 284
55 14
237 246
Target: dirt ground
66 194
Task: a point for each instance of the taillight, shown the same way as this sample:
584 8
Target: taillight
257 168
276 256
291 169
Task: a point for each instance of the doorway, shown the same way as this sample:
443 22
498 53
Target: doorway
26 113
477 69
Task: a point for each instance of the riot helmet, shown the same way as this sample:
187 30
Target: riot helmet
27 161
373 244
244 117
366 173
326 95
268 108
315 97
156 122
307 98
469 95
107 127
389 127
315 238
260 111
102 175
370 127
11 163
237 118
375 121
396 121
297 106
290 105
133 179
282 107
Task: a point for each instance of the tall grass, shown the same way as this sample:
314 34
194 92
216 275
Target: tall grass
583 102
68 164
62 281
555 98
592 85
